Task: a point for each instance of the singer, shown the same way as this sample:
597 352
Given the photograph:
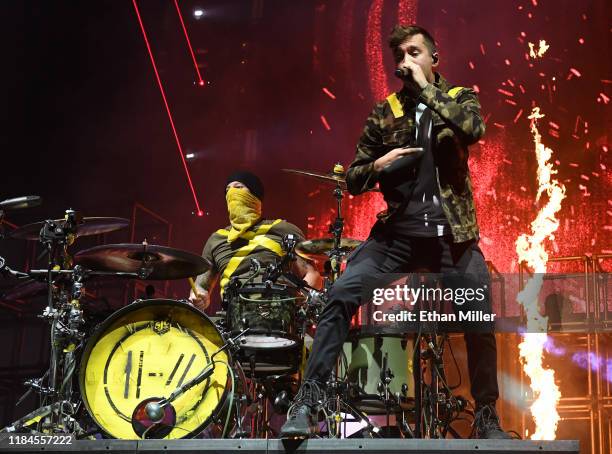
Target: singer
415 146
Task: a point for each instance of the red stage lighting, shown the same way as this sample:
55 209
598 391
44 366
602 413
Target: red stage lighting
195 63
163 94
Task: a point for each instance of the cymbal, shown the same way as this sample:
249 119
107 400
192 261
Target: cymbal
331 177
85 227
29 288
319 247
160 262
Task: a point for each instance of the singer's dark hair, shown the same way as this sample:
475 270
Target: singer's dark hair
400 33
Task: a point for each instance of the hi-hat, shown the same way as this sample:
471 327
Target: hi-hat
149 261
331 177
84 227
337 177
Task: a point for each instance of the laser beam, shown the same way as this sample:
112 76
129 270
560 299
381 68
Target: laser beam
163 95
195 63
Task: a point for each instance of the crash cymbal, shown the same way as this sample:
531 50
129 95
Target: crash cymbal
320 247
160 262
337 178
85 227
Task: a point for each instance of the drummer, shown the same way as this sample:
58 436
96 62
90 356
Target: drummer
249 236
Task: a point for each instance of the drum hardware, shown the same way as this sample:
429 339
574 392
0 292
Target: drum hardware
339 403
271 354
435 405
374 371
336 177
150 414
280 268
384 391
336 228
16 203
428 414
318 248
148 261
67 335
147 331
65 320
63 311
72 223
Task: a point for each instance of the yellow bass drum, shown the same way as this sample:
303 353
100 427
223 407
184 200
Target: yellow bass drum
146 350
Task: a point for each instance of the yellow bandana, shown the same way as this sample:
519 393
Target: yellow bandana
244 211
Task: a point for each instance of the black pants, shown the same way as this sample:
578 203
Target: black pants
384 252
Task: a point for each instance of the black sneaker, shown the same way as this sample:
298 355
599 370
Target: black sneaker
486 424
302 417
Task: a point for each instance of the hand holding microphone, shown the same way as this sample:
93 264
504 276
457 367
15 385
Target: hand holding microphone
411 72
403 73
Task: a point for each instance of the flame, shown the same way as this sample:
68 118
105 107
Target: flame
537 53
530 249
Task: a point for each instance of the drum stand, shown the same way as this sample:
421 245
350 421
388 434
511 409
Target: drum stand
338 402
260 427
434 401
336 229
390 400
65 316
66 320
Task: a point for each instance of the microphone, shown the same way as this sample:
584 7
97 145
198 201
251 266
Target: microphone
17 203
153 418
155 411
402 73
255 266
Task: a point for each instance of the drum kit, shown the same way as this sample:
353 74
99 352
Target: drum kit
161 368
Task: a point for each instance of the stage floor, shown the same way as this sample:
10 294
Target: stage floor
307 446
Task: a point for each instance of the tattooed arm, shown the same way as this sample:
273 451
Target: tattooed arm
204 283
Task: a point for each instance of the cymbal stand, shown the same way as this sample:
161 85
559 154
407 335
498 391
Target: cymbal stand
66 320
1 224
384 390
338 403
336 228
434 401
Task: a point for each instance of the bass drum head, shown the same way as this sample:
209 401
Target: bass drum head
146 350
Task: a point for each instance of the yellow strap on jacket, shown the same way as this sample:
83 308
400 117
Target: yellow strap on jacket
396 105
453 92
256 238
397 108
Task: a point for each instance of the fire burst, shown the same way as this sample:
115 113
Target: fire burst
537 53
530 249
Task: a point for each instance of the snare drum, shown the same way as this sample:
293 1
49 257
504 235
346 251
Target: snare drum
273 344
145 351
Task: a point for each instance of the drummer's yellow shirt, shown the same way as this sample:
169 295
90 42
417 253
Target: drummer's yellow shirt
264 247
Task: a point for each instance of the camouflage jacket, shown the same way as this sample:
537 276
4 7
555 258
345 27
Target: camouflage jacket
456 123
